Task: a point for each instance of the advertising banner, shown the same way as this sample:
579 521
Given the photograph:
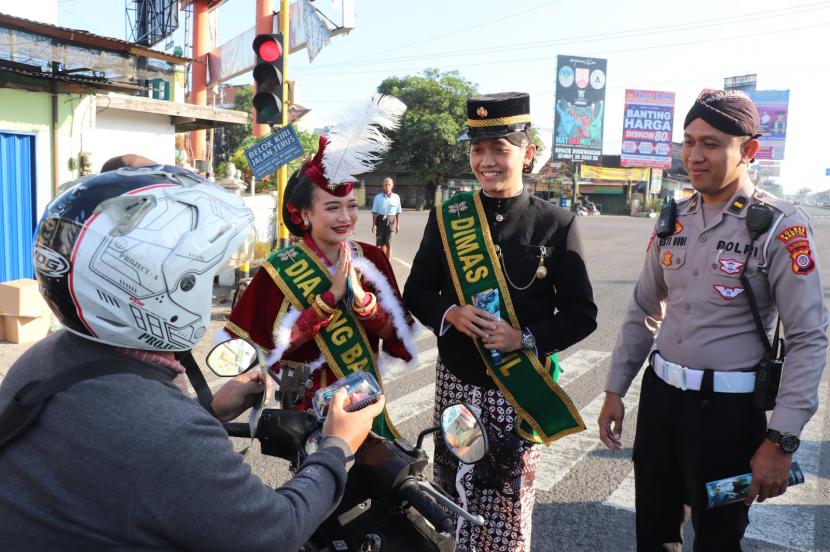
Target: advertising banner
580 107
647 129
772 108
589 172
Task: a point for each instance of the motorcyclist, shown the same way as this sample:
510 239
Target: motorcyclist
126 261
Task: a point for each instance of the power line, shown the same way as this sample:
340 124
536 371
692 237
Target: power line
631 33
453 33
811 68
599 52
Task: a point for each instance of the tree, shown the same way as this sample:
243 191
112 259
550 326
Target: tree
803 193
234 135
427 141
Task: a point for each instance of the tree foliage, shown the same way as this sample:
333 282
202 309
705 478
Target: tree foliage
427 141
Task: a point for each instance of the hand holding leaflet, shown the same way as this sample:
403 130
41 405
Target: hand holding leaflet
735 489
489 301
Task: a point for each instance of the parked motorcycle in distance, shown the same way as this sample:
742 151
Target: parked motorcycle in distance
587 208
388 504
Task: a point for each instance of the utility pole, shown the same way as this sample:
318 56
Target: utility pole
577 168
282 172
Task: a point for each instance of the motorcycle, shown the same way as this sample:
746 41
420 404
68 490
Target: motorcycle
388 504
587 208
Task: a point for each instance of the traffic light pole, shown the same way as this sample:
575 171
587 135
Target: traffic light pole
282 172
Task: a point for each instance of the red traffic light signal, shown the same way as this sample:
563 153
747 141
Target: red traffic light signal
268 78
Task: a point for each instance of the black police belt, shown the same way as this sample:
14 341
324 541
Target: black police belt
685 378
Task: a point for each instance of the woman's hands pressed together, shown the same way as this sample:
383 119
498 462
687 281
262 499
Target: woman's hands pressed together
345 272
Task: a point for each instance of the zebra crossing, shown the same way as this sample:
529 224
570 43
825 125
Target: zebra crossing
788 521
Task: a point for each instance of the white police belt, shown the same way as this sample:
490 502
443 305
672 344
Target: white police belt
689 378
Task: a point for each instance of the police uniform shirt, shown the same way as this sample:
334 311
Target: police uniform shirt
690 297
558 309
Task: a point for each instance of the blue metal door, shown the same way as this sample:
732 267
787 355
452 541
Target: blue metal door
17 205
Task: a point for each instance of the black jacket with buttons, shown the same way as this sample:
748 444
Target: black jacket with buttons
558 309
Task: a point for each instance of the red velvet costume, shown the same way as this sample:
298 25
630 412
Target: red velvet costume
256 315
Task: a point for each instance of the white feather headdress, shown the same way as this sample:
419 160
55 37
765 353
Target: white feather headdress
356 142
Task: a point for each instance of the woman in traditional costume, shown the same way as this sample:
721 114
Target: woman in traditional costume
328 301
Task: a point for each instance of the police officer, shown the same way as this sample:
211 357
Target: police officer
697 421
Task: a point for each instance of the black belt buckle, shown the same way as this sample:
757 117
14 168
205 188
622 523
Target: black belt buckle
767 382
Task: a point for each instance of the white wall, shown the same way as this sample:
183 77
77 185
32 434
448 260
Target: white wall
119 132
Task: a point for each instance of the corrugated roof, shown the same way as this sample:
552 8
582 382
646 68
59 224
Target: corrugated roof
98 83
86 38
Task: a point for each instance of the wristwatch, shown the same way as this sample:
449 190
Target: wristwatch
528 341
787 442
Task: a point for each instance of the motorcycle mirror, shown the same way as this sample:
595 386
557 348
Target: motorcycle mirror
464 433
231 358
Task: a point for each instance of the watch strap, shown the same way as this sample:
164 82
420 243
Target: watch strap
777 437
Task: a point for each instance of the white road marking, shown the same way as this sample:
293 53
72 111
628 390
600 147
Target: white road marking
554 459
788 520
559 458
422 400
578 363
424 335
623 495
413 404
426 359
404 263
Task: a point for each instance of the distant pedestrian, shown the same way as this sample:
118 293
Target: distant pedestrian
386 216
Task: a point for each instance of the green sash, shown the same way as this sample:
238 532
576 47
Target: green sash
545 411
301 276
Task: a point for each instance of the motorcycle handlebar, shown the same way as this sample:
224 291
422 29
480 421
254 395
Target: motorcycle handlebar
237 429
426 505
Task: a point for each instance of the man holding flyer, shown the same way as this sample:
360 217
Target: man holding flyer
723 269
501 250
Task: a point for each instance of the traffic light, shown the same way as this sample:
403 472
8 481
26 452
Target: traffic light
268 78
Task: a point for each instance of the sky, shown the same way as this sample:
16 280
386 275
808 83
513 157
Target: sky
500 46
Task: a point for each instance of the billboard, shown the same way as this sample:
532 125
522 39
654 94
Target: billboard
647 129
152 20
580 106
772 109
741 82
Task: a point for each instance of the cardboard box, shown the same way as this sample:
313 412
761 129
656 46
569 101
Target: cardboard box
25 329
2 328
22 298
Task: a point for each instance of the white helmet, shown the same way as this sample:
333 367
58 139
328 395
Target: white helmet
128 258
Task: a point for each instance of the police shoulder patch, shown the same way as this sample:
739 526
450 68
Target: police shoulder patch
793 232
801 257
798 246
